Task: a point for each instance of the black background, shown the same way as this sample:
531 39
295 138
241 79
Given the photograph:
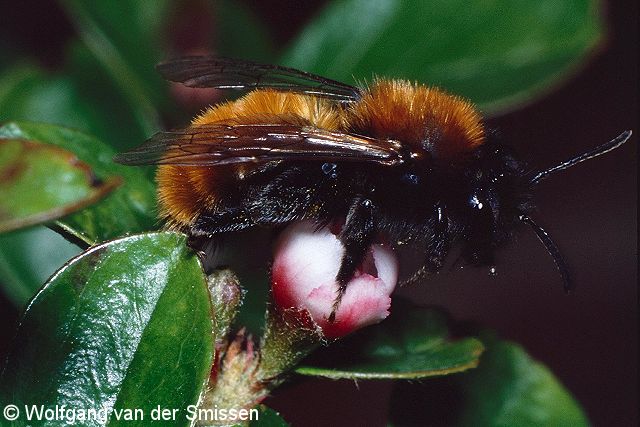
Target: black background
589 339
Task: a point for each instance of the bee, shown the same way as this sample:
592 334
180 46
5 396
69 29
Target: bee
391 158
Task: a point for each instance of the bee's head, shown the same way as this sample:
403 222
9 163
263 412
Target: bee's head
498 198
496 193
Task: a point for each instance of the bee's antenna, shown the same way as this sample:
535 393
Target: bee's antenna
602 149
553 250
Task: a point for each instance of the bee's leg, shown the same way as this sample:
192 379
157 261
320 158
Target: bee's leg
438 245
356 236
207 232
221 221
197 244
437 248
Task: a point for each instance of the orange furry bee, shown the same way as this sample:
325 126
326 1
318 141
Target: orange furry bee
408 161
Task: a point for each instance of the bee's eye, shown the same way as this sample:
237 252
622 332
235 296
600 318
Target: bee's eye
411 178
330 169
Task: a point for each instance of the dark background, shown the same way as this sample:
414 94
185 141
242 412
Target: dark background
589 339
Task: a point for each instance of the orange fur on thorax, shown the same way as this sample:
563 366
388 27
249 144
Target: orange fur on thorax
424 118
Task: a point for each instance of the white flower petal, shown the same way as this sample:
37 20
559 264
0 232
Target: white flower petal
304 269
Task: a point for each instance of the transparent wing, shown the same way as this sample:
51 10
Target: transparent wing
226 73
219 144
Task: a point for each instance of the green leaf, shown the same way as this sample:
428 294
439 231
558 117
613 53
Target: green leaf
119 123
252 312
523 392
128 324
27 258
83 98
508 388
27 93
412 343
239 33
41 182
129 209
498 54
125 37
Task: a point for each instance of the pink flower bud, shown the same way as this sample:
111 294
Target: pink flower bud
304 269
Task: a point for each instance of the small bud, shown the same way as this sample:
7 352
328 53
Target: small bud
237 382
226 298
305 265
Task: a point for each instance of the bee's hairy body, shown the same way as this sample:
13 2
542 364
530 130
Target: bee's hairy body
384 112
439 134
396 159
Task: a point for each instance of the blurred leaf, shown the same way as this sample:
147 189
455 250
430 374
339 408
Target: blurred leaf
125 325
27 93
83 98
125 37
268 417
40 183
8 52
523 392
254 304
120 123
27 258
508 388
412 343
239 33
129 209
498 54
